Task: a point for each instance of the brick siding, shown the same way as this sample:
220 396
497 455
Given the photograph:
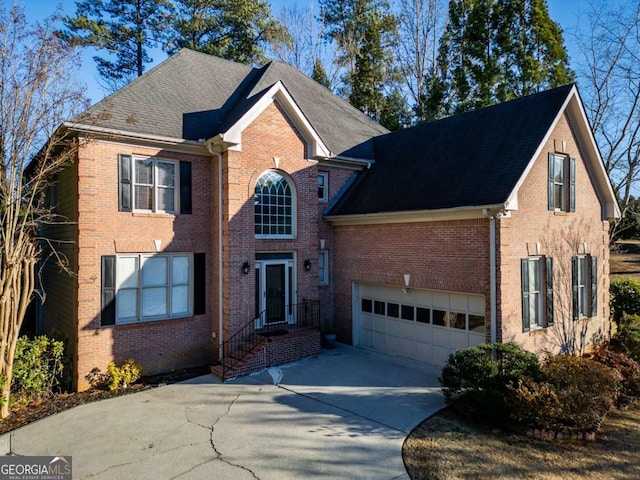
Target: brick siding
561 235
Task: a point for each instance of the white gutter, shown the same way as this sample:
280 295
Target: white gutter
133 135
210 147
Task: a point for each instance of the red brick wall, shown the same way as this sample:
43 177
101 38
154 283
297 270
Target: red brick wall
281 350
270 136
103 230
337 178
442 255
561 236
58 318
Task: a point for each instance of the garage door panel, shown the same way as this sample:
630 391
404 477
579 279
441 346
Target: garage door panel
366 338
458 301
458 339
399 323
407 348
379 323
393 345
476 304
440 355
366 321
406 329
476 339
380 340
424 333
441 336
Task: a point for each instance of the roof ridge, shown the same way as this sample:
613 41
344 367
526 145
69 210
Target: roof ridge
568 87
273 64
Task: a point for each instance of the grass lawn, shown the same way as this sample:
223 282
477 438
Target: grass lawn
447 447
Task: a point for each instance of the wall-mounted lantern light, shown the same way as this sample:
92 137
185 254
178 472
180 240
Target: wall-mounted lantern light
245 268
407 279
307 265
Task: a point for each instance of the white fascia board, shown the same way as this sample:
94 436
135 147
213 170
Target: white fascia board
587 144
460 213
232 138
346 163
143 138
573 105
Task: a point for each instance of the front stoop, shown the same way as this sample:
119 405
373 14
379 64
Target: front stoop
268 352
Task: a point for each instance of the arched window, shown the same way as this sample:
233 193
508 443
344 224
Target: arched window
274 206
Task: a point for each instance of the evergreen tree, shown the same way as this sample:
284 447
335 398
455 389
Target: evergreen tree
238 30
125 29
395 113
350 24
492 51
367 78
319 74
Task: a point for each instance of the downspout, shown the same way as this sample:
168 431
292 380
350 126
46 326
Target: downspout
220 251
493 272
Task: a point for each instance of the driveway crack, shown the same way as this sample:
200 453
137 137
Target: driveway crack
219 455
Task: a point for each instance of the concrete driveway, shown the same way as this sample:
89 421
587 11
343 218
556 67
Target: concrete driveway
343 414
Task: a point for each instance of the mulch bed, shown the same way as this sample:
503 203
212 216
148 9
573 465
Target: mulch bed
22 415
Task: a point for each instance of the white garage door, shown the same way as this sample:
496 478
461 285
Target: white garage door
424 325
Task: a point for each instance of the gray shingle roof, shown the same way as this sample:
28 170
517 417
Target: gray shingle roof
192 95
472 159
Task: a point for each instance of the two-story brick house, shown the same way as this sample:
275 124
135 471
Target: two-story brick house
210 198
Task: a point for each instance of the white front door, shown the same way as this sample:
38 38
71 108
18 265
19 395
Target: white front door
275 292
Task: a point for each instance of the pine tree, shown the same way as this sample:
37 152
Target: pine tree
319 74
350 24
238 30
492 51
125 29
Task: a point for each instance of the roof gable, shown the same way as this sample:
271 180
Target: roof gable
477 159
231 135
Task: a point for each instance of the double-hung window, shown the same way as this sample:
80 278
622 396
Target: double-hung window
323 186
149 286
537 292
584 270
562 183
153 185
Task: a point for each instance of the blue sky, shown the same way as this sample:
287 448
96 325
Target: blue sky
565 12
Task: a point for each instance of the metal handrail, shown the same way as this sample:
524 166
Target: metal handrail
242 343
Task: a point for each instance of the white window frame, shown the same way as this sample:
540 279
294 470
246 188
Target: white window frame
155 187
323 187
582 285
536 297
294 208
323 267
136 285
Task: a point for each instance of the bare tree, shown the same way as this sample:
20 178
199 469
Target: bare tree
307 46
421 24
570 335
609 41
300 52
36 95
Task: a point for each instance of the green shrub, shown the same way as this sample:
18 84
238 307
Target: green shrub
625 298
121 377
627 339
574 395
37 368
628 368
475 379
